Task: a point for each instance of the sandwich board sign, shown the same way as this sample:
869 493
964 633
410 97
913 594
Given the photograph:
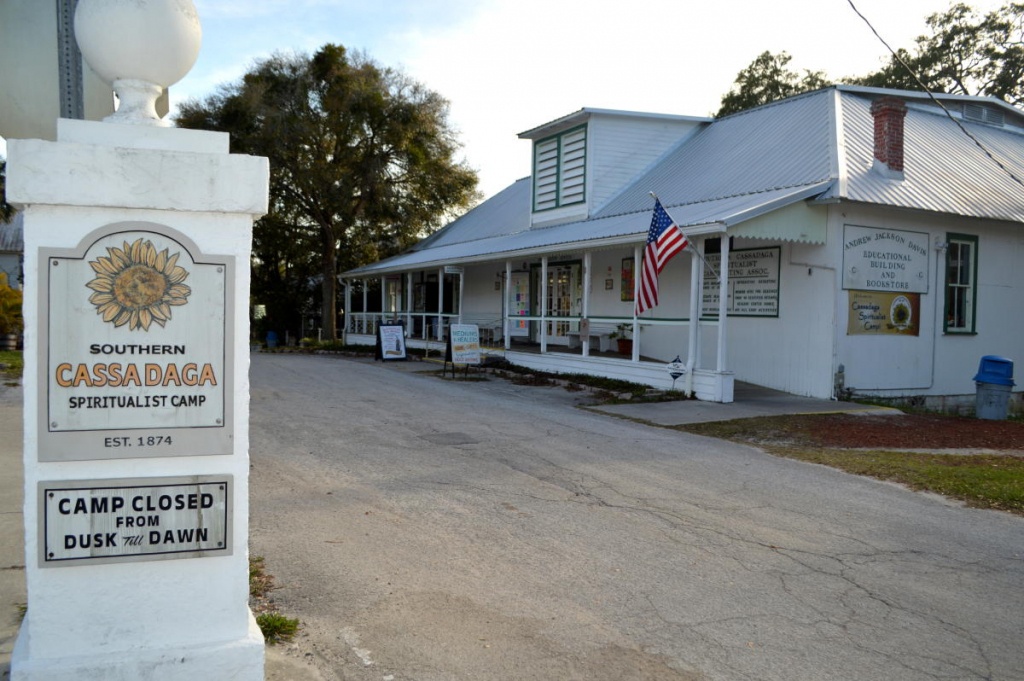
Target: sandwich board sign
391 342
464 344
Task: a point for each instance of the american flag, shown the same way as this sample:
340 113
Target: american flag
664 240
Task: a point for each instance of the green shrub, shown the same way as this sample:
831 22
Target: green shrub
276 627
10 308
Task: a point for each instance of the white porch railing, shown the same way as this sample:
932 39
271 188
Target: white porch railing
424 324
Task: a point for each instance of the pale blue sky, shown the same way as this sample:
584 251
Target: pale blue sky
509 65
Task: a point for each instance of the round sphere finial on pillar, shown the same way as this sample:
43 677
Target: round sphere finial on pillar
140 47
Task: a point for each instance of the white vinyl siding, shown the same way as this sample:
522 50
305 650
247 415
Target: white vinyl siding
559 170
620 148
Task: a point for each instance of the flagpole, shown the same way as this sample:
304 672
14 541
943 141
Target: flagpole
695 251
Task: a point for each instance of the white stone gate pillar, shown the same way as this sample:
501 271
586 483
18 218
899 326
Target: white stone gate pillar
137 246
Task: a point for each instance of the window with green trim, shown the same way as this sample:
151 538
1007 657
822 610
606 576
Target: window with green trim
559 169
961 283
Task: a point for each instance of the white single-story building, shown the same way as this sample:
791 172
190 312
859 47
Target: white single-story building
872 240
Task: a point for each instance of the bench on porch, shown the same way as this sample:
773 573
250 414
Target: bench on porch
599 331
490 328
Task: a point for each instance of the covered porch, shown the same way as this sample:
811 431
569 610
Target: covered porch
561 313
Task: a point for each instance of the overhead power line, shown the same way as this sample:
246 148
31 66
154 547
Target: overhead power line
934 99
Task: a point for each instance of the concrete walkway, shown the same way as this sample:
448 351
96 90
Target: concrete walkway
750 401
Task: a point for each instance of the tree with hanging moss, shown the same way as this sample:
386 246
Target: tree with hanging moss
363 163
767 79
6 209
963 53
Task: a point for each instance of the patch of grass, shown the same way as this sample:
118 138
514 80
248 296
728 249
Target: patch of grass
758 430
13 364
276 627
260 583
978 480
992 481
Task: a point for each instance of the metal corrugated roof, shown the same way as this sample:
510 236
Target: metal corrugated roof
507 212
945 171
11 235
781 145
695 218
757 161
580 116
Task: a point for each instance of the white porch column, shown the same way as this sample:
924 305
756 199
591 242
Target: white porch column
585 338
365 301
506 323
543 304
345 328
693 333
637 264
723 303
462 291
383 298
440 304
408 303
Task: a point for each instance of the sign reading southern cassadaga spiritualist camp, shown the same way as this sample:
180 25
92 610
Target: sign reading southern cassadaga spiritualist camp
135 346
102 521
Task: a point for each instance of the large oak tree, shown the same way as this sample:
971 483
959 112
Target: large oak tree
6 209
963 53
363 164
767 79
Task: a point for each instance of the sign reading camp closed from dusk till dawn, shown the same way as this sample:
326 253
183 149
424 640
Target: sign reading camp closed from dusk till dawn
135 347
104 521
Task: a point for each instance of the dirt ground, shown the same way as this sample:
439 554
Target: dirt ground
910 431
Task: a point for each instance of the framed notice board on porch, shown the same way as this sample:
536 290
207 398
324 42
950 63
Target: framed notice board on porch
519 304
628 282
390 342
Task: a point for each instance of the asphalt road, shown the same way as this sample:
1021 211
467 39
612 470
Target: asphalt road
12 527
428 529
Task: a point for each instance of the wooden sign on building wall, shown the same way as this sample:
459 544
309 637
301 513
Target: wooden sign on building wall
753 283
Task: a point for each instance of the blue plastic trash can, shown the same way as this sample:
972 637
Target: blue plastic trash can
994 382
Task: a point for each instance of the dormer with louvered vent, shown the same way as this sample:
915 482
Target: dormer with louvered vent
560 169
582 160
981 113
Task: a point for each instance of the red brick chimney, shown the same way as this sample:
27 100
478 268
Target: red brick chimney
888 113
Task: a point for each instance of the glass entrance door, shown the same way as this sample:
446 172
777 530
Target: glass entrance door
564 298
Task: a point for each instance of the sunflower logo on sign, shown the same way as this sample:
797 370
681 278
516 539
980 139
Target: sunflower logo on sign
900 313
136 285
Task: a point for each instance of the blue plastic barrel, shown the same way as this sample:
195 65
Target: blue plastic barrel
994 381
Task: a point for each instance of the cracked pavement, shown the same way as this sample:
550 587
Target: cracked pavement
429 529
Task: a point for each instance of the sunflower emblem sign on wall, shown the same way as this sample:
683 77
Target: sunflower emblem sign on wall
136 285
